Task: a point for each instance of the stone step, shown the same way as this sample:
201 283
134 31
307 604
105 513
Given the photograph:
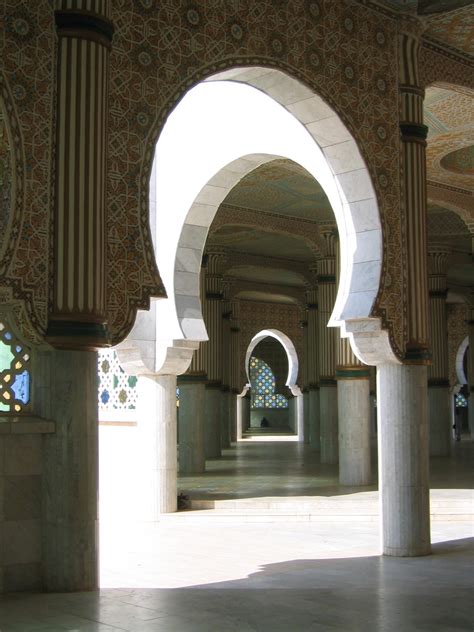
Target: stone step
317 506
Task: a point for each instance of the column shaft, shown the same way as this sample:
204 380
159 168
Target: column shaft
354 431
212 427
191 427
413 137
66 391
157 429
403 459
78 317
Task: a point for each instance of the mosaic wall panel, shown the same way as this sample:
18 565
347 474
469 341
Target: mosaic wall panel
5 178
344 50
457 331
442 67
117 389
26 82
255 316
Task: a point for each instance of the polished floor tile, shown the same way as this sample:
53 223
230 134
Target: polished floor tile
262 576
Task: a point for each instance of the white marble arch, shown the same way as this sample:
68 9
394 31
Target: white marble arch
293 365
243 126
462 379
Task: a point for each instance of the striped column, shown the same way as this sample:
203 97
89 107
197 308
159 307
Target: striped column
78 315
353 402
402 389
313 368
212 311
413 137
327 337
439 400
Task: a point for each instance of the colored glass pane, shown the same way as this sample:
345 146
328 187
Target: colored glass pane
21 387
14 373
117 390
263 386
461 401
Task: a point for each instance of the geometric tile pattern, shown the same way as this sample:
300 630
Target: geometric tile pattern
117 390
344 51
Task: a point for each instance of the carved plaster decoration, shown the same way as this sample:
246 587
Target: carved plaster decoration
342 51
457 317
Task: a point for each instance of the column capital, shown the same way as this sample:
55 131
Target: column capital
329 236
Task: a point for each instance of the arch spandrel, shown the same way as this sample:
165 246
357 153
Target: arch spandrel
373 121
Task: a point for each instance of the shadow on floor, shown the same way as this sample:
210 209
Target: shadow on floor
369 594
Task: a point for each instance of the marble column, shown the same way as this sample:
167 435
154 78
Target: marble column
353 402
306 416
157 440
439 397
403 459
314 435
65 391
192 458
212 416
327 337
225 418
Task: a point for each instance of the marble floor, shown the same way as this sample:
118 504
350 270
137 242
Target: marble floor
262 575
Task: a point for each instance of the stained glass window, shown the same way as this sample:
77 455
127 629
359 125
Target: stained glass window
14 373
117 390
262 380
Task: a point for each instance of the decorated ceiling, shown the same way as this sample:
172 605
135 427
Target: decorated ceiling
449 116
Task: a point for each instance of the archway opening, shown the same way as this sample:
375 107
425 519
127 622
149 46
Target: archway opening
271 365
221 132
